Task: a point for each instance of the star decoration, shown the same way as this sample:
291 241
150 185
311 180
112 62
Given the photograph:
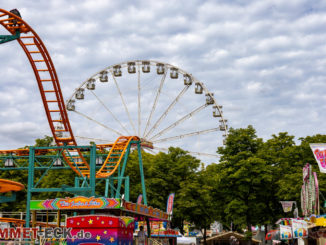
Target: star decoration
83 219
90 221
102 222
71 221
98 238
98 218
111 239
110 222
105 232
78 223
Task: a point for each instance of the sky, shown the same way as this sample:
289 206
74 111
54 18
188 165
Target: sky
263 60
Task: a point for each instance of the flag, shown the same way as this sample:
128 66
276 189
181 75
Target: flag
139 199
319 151
169 205
287 206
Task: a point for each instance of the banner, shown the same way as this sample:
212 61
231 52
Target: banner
305 172
169 205
319 151
71 203
285 232
139 199
299 228
145 210
287 206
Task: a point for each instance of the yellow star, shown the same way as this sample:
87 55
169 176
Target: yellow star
111 239
105 232
98 218
78 223
98 238
102 222
90 221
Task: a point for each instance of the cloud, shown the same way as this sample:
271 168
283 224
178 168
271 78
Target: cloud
263 60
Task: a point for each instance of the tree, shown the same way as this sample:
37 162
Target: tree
46 141
196 202
244 178
164 173
281 155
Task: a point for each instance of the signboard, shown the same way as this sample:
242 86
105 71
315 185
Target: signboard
285 232
319 151
299 228
287 206
75 203
145 210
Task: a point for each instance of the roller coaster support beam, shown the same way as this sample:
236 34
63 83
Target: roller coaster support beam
141 173
11 198
92 176
8 38
86 189
122 172
31 161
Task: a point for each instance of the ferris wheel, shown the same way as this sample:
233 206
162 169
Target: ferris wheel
160 103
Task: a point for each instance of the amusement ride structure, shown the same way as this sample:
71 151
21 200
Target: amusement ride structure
92 163
158 102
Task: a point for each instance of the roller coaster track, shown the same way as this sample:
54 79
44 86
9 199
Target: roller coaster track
53 101
49 87
115 156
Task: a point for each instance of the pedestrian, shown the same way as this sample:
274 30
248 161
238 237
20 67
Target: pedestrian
141 236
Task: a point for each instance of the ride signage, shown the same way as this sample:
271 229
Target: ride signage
145 210
75 203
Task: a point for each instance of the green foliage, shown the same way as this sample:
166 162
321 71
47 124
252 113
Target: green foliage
244 188
165 173
46 141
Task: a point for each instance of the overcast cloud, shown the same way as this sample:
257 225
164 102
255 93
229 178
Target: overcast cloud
265 61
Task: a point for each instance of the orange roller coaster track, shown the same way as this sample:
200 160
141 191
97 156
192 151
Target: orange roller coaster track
53 101
115 156
48 84
8 185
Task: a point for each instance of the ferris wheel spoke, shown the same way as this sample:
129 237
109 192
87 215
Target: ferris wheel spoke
186 135
190 152
155 102
115 118
165 113
149 150
101 124
92 139
173 125
124 104
139 105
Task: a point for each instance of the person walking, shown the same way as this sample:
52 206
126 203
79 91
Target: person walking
141 236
